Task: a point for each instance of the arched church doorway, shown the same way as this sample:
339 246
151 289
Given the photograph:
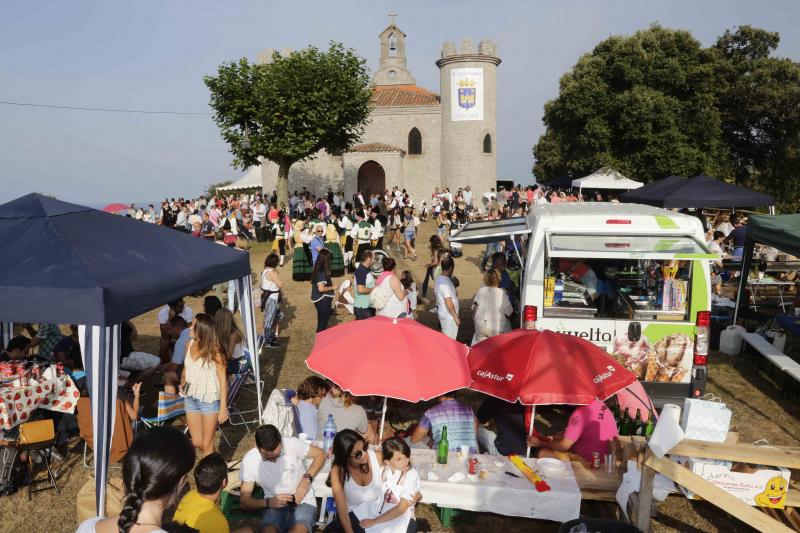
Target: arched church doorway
371 179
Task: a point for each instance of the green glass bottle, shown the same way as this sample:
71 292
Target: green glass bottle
638 427
625 424
442 448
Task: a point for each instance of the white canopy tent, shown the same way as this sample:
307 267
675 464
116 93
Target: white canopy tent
250 180
606 178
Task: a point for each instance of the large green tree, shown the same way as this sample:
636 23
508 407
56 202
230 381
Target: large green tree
758 97
292 107
658 103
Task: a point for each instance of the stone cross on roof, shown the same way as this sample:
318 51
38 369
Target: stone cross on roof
392 15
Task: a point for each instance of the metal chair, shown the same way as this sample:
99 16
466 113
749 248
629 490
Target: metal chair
234 392
35 437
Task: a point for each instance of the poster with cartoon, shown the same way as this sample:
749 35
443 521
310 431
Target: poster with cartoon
759 487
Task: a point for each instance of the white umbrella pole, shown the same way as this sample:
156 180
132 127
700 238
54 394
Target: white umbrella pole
530 429
383 419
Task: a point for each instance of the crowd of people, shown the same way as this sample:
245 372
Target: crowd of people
325 237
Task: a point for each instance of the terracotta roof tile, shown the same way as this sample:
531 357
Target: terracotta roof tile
403 95
375 147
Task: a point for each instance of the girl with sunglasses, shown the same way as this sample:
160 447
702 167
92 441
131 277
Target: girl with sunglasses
357 485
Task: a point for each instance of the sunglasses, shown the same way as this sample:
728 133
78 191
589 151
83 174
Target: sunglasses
358 454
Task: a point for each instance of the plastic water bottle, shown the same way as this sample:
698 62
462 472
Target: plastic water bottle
558 292
328 433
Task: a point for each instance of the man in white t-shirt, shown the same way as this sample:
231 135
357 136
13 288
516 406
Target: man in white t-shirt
165 314
277 464
447 299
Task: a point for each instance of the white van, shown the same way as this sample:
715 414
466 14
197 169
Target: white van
631 278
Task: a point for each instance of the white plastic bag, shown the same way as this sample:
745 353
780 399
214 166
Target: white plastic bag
706 419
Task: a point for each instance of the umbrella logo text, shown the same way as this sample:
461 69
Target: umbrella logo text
495 377
605 375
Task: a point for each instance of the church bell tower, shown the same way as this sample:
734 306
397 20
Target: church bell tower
392 69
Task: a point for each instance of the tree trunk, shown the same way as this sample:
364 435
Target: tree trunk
282 186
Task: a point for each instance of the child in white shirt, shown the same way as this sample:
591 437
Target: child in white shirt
400 484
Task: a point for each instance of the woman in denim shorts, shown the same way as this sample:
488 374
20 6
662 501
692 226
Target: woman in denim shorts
204 384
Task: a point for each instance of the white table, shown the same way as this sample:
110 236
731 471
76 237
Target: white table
755 284
498 493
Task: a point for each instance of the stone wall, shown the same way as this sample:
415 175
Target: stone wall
392 125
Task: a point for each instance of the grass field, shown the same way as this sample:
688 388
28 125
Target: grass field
759 412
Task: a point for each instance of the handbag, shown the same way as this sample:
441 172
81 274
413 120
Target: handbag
705 419
379 296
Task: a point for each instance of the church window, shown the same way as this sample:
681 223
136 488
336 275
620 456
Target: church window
414 141
392 74
392 45
487 144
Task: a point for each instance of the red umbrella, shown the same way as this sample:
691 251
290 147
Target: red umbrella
115 208
391 357
635 397
544 367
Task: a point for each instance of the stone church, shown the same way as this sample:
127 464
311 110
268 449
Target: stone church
416 139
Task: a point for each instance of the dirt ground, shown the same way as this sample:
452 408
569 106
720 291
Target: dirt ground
759 412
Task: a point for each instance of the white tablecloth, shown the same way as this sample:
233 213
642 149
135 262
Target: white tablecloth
497 493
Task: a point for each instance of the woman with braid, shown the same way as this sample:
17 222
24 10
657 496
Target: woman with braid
154 472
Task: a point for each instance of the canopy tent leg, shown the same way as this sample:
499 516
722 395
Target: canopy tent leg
6 333
747 259
516 249
530 429
383 419
100 348
247 308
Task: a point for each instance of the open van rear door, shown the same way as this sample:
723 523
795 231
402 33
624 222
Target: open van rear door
486 231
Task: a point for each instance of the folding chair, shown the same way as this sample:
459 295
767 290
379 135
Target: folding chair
234 393
121 439
168 406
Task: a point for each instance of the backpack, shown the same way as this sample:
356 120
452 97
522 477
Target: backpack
11 471
380 295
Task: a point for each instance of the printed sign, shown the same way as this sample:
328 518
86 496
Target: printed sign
662 354
466 93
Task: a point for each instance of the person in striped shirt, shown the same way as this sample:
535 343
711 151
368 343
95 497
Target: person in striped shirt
462 426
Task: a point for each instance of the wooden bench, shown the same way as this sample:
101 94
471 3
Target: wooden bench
783 362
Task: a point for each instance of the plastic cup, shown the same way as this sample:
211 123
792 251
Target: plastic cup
464 451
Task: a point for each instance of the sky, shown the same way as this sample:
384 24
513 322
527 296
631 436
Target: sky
152 55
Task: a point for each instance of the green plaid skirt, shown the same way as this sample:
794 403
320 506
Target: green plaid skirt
301 264
337 261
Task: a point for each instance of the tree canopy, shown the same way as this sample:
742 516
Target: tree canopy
292 107
659 103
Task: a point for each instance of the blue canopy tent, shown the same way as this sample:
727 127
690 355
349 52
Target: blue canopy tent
697 192
652 193
67 264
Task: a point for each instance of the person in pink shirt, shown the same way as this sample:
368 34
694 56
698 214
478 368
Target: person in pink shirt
590 428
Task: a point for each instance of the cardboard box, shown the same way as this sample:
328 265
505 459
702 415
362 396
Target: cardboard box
766 486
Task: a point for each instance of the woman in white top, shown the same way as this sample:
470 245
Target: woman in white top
491 308
355 481
271 286
154 472
204 384
396 305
